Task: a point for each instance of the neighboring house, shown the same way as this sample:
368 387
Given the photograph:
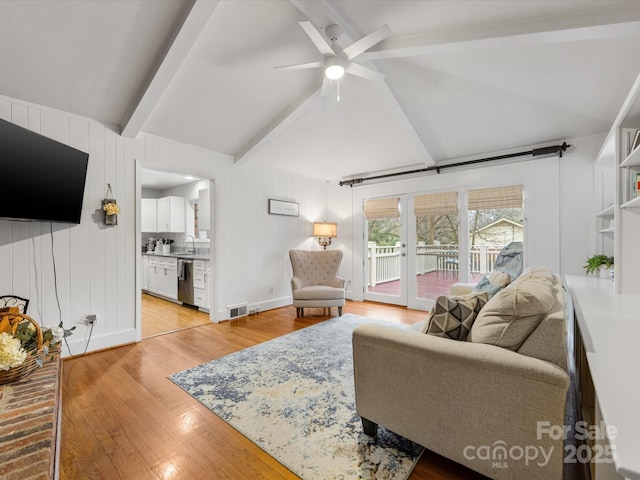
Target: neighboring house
500 232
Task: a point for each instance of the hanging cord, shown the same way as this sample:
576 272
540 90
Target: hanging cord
109 191
55 289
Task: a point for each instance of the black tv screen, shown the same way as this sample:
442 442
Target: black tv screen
42 179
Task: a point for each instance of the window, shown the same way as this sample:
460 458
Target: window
495 220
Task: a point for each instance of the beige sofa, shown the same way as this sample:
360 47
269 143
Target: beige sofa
488 402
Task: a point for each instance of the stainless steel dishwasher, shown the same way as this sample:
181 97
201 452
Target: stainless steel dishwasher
185 281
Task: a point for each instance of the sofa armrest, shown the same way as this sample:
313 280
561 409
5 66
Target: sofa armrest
446 394
461 288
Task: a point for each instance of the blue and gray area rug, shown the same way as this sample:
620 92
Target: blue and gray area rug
294 397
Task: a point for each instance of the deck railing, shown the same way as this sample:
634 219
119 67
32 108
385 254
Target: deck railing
384 261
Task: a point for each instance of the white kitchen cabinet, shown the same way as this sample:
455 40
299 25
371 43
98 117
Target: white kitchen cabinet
171 214
167 270
148 215
145 272
201 283
152 285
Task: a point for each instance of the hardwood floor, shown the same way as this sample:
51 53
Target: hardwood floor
162 316
123 419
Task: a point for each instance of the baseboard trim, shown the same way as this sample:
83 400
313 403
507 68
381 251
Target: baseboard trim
77 343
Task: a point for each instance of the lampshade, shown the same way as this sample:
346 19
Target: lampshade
324 229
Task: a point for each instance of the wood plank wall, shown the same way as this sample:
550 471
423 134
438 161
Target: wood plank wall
95 264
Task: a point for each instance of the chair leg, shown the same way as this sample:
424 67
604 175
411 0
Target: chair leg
370 428
301 312
339 311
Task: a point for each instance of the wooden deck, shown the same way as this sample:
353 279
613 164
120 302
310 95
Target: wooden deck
430 285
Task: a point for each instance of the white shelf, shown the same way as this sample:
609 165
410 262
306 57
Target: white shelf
635 203
633 160
607 212
607 230
609 329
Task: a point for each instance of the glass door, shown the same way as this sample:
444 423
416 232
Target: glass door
386 259
435 250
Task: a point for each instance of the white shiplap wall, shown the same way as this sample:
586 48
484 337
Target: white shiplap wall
95 264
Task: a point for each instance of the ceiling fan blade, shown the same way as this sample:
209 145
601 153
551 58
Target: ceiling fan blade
300 66
326 86
366 42
364 72
317 38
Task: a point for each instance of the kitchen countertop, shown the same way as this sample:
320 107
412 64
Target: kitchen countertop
186 256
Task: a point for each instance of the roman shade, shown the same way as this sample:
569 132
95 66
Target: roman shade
382 208
445 203
497 197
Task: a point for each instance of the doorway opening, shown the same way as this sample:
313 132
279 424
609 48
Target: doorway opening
175 228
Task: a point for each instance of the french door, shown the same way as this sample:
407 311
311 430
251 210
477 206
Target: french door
386 250
413 252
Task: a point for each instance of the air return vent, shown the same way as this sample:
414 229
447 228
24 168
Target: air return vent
236 311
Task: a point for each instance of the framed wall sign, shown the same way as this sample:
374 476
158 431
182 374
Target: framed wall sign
280 207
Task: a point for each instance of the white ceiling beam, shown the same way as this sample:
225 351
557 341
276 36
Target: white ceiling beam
615 22
318 12
184 40
277 125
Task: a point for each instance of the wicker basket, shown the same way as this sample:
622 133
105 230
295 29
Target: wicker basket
35 355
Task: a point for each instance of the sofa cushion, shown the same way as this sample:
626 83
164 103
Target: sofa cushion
499 278
536 271
318 292
453 316
514 312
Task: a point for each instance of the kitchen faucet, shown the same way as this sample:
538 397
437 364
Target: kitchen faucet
193 243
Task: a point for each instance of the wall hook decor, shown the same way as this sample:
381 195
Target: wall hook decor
110 207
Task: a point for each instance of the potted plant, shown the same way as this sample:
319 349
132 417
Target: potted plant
600 263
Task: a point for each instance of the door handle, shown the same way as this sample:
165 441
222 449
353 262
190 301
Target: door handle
404 254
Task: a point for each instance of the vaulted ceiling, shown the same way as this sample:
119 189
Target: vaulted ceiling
459 78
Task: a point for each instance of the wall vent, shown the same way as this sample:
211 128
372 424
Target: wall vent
239 310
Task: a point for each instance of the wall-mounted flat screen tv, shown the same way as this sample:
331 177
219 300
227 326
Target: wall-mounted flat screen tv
42 179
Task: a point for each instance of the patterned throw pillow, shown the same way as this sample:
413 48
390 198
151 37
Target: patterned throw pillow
452 317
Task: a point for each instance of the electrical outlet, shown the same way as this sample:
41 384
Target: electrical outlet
90 319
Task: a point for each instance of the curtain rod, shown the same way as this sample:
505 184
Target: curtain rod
536 152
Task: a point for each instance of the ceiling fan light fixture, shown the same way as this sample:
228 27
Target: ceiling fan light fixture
334 68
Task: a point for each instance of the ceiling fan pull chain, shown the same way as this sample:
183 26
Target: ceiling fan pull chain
338 90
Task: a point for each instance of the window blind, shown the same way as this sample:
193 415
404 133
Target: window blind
436 204
382 208
498 197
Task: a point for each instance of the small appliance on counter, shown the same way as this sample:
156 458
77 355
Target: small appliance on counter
161 245
151 245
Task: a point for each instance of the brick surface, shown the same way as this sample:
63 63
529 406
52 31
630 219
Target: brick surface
29 410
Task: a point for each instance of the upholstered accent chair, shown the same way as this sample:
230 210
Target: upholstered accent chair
315 281
14 301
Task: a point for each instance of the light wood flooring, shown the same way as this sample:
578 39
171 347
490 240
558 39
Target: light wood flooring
161 316
123 419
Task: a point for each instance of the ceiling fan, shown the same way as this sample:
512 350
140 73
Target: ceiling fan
337 63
